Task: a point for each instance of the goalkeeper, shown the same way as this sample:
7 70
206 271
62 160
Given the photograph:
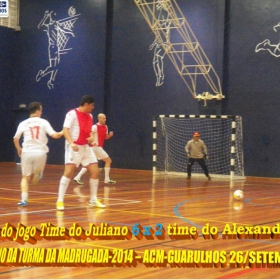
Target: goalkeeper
197 152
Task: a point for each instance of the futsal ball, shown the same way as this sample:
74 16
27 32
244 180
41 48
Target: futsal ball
238 195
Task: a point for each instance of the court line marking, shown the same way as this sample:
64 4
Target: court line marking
125 201
22 211
73 195
265 241
18 190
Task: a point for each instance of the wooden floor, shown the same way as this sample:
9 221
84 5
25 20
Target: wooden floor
140 197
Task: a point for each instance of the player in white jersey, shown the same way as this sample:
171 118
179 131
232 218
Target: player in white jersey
77 131
100 134
33 152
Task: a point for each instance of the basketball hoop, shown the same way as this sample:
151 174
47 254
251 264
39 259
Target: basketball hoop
208 96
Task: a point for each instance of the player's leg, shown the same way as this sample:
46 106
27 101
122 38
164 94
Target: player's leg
69 170
107 168
72 160
271 48
92 165
49 69
160 55
38 166
101 154
24 190
51 80
189 167
262 46
93 183
203 165
26 171
77 179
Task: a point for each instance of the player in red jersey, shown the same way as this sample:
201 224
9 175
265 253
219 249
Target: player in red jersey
100 134
77 131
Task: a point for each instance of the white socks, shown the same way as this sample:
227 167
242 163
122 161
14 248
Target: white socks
63 185
93 183
24 196
107 171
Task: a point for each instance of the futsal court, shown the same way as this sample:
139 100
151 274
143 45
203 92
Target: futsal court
138 197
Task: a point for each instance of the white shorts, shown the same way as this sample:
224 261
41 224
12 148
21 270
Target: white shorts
85 156
100 153
32 162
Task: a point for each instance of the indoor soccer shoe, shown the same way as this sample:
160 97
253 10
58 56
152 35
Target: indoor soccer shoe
110 182
96 203
78 181
22 203
60 205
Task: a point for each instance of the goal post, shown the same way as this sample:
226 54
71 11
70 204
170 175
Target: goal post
222 135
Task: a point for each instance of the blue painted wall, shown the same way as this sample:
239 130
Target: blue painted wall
135 98
253 82
8 82
110 58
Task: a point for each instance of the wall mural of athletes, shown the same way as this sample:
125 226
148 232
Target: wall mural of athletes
273 49
59 33
163 18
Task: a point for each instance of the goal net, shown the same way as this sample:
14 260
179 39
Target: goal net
222 136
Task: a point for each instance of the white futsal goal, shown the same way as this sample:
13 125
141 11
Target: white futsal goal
221 134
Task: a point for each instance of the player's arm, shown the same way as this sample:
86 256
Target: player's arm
187 149
204 151
69 139
51 132
18 147
276 26
153 44
109 135
57 135
42 22
91 139
204 148
68 123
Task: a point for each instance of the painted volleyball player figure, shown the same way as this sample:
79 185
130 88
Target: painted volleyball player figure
197 152
100 134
